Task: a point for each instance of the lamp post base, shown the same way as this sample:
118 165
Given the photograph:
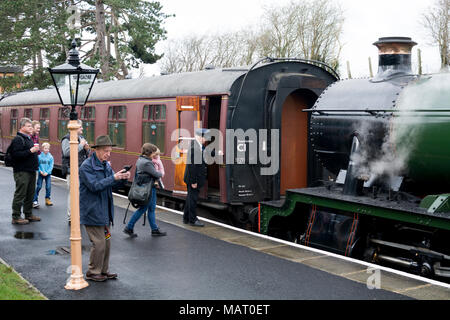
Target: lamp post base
76 282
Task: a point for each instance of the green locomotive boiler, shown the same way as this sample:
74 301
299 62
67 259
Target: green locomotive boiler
385 145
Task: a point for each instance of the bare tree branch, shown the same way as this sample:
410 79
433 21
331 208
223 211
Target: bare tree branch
437 21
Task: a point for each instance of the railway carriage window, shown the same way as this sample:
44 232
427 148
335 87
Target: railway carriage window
13 122
28 114
154 125
63 121
88 118
44 119
117 116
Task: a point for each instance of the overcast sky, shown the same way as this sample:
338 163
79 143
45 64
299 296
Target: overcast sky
365 22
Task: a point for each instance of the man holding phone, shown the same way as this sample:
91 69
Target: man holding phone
97 180
25 165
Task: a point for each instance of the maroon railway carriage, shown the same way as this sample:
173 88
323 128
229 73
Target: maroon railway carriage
155 109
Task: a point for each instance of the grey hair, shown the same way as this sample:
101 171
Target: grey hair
24 121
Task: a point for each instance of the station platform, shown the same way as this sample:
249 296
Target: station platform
216 262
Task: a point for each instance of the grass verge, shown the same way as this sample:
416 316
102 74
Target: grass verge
13 287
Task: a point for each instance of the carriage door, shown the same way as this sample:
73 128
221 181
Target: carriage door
294 143
188 116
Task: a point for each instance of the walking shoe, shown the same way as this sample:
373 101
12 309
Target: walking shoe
20 221
35 204
110 276
96 277
48 202
130 232
157 232
197 223
33 218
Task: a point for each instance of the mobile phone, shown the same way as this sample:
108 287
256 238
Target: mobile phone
128 167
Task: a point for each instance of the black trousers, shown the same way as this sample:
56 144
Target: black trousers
24 194
190 206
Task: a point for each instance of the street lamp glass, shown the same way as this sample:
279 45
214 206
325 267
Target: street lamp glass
74 88
73 80
86 80
66 85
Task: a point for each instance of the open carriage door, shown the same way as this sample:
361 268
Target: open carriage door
184 104
294 143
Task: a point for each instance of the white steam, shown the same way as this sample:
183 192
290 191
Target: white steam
390 160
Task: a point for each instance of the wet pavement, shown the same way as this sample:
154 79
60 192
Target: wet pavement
184 265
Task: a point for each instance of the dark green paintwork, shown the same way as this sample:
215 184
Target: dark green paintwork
421 128
268 211
436 203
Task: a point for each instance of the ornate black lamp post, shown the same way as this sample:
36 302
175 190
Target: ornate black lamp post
73 82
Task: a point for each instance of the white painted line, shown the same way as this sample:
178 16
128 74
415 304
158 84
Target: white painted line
330 254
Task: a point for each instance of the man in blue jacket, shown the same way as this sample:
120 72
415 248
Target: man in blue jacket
96 206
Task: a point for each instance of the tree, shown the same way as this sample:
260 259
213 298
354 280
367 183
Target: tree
125 34
27 33
195 52
437 21
309 30
303 29
113 35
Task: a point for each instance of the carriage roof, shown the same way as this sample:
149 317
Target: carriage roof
217 81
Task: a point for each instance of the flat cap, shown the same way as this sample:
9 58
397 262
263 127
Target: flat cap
103 141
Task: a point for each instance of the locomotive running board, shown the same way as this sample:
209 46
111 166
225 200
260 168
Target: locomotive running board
324 197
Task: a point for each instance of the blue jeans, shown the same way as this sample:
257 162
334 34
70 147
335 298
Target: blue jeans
48 186
150 208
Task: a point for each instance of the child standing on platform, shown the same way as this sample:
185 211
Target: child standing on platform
44 173
159 167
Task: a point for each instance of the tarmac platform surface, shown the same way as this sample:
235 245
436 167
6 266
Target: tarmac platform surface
190 263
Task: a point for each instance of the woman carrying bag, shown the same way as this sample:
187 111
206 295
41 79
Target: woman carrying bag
146 168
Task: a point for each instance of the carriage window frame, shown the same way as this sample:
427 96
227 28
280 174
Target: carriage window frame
87 116
154 114
117 116
62 117
44 120
28 113
13 122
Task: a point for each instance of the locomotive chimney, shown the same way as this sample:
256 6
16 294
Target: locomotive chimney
394 55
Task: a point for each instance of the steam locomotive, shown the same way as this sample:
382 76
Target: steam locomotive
358 167
384 142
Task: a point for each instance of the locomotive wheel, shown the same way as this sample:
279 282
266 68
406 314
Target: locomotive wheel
236 214
252 224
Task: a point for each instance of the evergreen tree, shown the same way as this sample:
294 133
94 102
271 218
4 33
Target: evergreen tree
113 35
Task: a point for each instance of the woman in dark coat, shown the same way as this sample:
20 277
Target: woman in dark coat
145 166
